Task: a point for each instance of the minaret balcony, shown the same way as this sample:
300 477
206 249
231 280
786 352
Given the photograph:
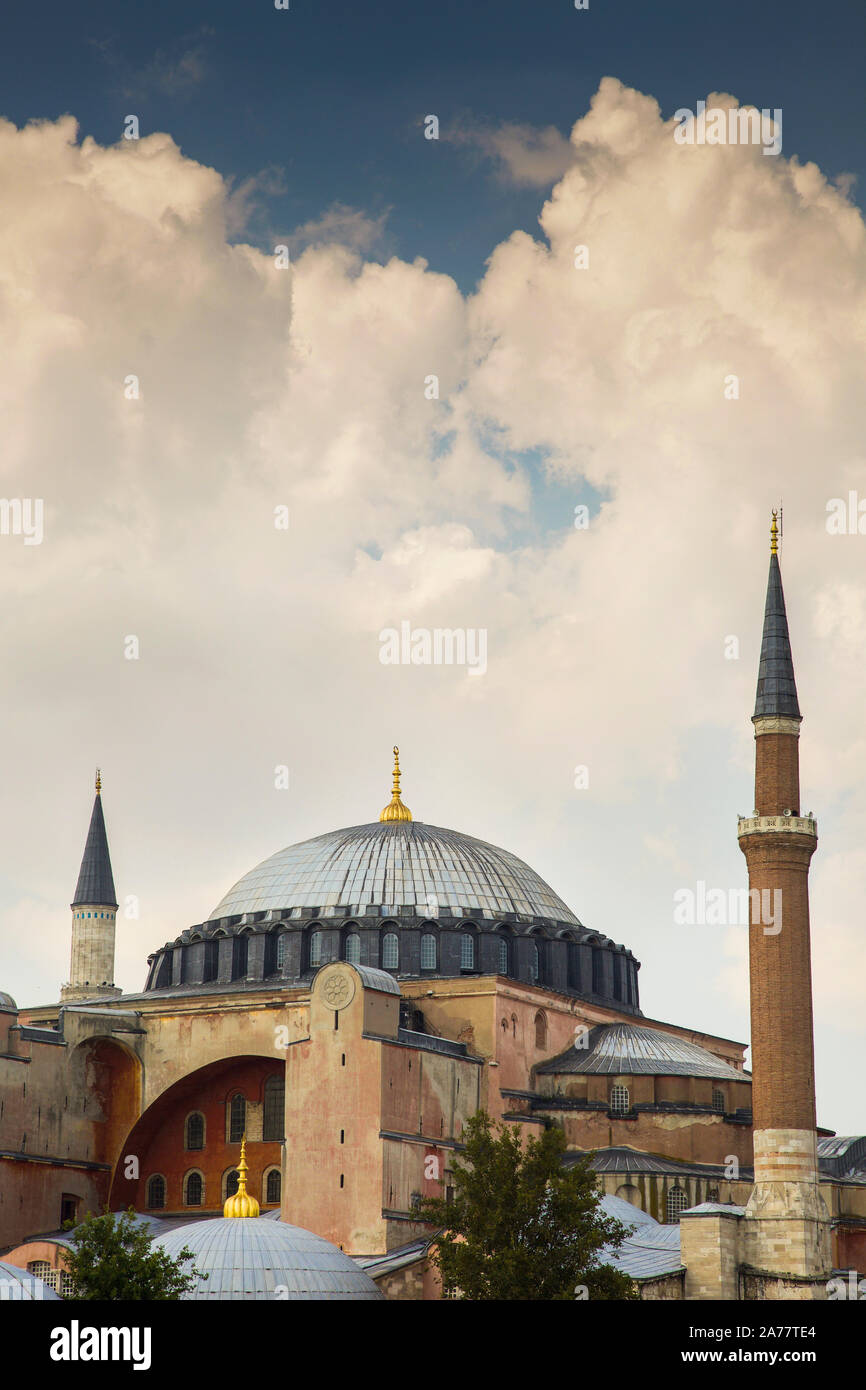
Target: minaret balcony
767 825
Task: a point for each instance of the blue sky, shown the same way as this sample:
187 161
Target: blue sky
324 100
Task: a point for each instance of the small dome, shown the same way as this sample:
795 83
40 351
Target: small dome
7 1002
17 1284
260 1259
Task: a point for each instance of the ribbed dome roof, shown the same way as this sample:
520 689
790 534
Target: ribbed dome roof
6 1001
253 1259
394 865
628 1049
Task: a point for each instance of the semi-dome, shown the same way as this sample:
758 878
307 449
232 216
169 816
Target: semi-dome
7 1002
393 864
259 1259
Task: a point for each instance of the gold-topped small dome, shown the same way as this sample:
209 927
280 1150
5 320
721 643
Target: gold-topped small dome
395 810
241 1204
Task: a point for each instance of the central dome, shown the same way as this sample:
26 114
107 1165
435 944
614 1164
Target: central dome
394 864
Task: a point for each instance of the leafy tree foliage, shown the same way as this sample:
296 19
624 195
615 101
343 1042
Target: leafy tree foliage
112 1259
521 1226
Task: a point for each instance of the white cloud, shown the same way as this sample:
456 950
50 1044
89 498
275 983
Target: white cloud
305 387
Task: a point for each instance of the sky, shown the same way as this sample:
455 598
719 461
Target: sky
172 389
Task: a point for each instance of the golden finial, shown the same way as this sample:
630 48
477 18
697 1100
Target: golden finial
395 810
774 536
241 1204
98 781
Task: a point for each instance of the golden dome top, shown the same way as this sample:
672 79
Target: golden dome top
241 1204
774 536
395 810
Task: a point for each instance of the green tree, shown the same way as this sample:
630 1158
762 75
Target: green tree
521 1226
111 1258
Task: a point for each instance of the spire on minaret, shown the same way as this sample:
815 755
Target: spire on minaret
95 879
777 690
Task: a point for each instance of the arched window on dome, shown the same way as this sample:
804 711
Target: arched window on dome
467 951
193 1189
315 950
620 1102
237 1118
390 951
353 948
210 966
281 950
274 1108
503 964
534 964
194 1131
677 1201
155 1198
540 1029
273 1186
429 960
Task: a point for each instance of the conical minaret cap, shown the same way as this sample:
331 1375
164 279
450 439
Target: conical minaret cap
95 885
777 689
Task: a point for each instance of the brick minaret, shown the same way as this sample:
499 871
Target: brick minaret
94 910
787 1231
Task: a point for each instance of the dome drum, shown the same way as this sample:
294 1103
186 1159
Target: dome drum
570 960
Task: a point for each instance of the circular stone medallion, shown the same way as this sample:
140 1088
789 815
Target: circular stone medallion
339 989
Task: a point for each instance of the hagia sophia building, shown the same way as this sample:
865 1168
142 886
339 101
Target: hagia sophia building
296 1072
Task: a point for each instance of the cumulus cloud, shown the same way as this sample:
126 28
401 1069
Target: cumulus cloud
309 388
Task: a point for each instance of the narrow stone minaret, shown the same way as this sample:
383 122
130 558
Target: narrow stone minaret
787 1225
94 910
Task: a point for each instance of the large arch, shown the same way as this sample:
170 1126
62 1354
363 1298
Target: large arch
156 1142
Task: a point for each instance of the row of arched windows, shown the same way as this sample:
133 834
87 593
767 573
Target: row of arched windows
620 1100
273 1116
390 953
194 1188
618 981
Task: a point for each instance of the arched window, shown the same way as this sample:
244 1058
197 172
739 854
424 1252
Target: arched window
232 1180
390 951
281 950
712 1194
514 1025
155 1192
194 1138
619 1100
676 1203
428 951
273 1111
503 961
193 1190
237 1118
353 948
534 964
540 1030
210 967
719 1101
467 951
273 1186
315 950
